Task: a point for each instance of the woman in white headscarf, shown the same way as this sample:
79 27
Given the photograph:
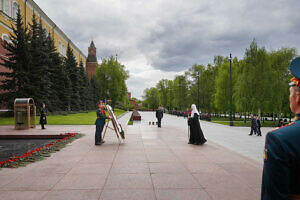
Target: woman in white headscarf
196 134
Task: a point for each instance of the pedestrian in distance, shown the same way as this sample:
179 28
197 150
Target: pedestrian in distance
159 115
43 116
281 172
280 123
100 122
253 125
196 134
258 123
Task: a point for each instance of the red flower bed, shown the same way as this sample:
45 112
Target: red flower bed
39 152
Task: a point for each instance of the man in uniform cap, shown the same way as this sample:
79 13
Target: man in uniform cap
100 122
281 173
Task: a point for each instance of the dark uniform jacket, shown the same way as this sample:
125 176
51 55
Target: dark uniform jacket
101 116
258 123
159 113
43 116
253 123
281 173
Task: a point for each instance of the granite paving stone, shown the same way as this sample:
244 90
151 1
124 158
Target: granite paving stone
22 195
81 181
73 194
151 164
129 181
180 194
127 194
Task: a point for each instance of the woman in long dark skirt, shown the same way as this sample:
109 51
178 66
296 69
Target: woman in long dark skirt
196 134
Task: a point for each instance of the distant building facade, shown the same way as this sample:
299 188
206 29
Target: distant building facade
8 13
133 102
128 95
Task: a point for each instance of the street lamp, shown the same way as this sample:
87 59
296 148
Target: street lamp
198 76
179 94
230 115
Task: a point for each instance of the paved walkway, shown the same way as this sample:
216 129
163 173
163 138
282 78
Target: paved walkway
154 164
234 138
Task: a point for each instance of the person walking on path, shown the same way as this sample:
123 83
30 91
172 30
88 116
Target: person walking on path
253 125
100 122
281 174
159 115
258 131
196 134
43 116
280 123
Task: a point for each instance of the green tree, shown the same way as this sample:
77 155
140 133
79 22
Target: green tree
72 71
163 90
111 77
181 92
222 84
253 88
207 89
57 76
279 61
195 72
83 87
171 94
94 91
151 98
17 83
39 76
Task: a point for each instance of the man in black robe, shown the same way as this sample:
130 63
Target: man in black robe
196 134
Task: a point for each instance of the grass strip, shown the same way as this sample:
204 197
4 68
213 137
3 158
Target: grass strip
70 119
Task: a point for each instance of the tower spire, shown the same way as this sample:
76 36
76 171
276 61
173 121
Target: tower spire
91 61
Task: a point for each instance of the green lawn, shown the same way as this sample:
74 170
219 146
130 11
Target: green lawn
130 122
70 119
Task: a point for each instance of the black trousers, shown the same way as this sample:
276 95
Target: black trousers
98 133
159 122
252 130
258 131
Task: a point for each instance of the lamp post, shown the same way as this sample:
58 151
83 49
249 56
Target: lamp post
179 94
198 76
230 115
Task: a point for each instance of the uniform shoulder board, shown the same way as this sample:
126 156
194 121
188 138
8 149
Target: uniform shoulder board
266 154
283 126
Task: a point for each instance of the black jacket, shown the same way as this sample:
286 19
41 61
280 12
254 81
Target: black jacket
159 114
43 116
258 123
253 123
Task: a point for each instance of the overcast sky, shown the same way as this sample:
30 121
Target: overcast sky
158 39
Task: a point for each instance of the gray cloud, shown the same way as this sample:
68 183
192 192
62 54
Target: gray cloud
173 35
